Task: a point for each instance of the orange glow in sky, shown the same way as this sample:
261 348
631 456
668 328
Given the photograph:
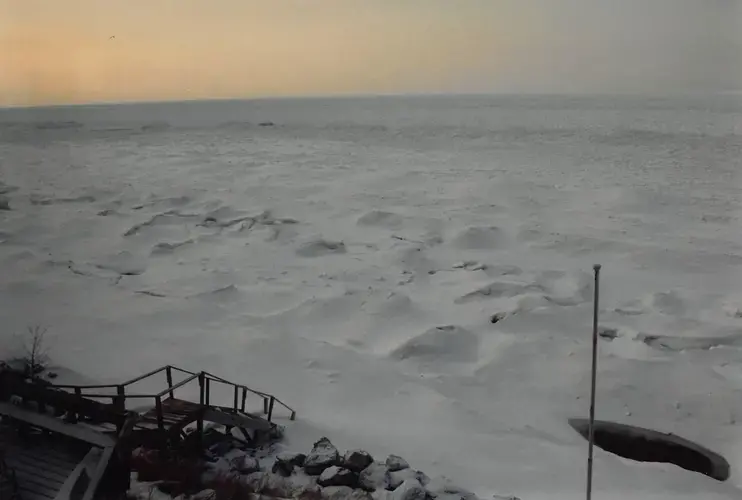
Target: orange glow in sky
62 51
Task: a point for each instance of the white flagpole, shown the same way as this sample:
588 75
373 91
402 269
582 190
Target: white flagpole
591 436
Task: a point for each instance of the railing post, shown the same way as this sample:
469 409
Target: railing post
208 391
200 419
265 405
236 397
169 375
244 400
120 398
270 408
78 404
202 388
160 416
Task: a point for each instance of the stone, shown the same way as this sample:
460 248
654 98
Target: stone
443 488
286 461
269 484
411 489
338 476
309 492
337 492
396 478
344 493
357 460
395 463
205 495
375 477
292 458
323 455
246 464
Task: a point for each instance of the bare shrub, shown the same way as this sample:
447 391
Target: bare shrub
34 354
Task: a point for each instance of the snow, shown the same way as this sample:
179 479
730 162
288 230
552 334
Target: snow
350 258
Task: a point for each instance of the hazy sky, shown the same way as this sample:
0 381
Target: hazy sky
58 51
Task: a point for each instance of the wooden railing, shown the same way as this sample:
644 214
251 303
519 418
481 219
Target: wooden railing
119 398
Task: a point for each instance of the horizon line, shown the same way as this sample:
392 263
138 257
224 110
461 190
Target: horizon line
354 95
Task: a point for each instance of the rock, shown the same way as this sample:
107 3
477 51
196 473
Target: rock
411 489
246 464
285 463
205 495
443 488
381 495
292 458
344 493
357 460
337 476
284 469
396 478
323 455
395 463
309 492
269 484
375 477
4 203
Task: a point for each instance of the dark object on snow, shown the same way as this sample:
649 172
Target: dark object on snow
4 203
497 317
357 460
337 476
646 445
266 124
608 333
323 455
395 463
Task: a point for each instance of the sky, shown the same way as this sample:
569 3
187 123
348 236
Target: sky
76 51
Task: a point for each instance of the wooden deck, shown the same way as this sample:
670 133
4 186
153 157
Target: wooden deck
44 466
78 428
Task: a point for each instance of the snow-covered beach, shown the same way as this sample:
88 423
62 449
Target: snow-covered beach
348 255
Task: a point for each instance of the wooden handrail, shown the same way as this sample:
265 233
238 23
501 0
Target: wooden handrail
120 395
142 377
182 370
267 398
179 384
97 386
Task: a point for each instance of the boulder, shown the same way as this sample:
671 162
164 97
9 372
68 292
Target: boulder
205 495
395 463
269 484
323 455
337 476
246 464
443 488
309 492
411 489
344 493
357 460
375 477
337 492
292 458
396 478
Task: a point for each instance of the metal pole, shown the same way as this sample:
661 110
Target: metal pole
596 269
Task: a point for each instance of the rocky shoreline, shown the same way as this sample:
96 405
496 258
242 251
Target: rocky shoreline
323 474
